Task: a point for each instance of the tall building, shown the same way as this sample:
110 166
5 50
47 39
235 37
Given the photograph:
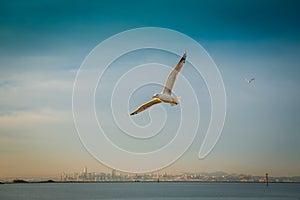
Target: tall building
84 174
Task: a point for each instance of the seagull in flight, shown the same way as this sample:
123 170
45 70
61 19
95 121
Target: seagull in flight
249 80
166 94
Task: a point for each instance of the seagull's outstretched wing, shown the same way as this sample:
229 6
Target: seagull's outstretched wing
173 76
146 105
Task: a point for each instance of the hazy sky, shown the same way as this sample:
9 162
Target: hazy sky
43 43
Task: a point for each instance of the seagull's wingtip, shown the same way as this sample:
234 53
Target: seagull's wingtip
183 58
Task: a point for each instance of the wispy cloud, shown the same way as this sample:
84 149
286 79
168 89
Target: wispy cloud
34 90
44 116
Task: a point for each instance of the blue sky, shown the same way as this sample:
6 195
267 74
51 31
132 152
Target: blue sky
43 43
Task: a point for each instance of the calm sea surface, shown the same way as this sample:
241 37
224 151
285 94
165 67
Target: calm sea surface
147 191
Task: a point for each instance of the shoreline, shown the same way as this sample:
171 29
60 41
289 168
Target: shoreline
20 181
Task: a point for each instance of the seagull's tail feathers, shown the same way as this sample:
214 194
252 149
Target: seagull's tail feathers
178 99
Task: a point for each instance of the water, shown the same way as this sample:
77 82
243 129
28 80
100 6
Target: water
147 191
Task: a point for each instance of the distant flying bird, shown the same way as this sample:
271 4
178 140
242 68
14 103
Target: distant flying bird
166 94
249 80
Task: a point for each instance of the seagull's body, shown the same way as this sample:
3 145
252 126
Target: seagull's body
249 80
166 95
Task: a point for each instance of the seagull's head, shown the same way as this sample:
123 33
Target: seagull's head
155 96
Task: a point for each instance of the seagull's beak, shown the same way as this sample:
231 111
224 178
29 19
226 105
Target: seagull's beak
153 97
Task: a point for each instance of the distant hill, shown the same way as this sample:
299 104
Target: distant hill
49 181
19 181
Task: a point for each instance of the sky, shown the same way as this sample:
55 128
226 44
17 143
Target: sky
43 44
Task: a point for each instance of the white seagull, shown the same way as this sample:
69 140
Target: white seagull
249 80
166 94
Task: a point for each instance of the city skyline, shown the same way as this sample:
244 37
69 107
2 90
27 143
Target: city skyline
43 44
218 176
85 175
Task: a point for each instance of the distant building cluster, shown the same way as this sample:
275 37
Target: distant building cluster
84 175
